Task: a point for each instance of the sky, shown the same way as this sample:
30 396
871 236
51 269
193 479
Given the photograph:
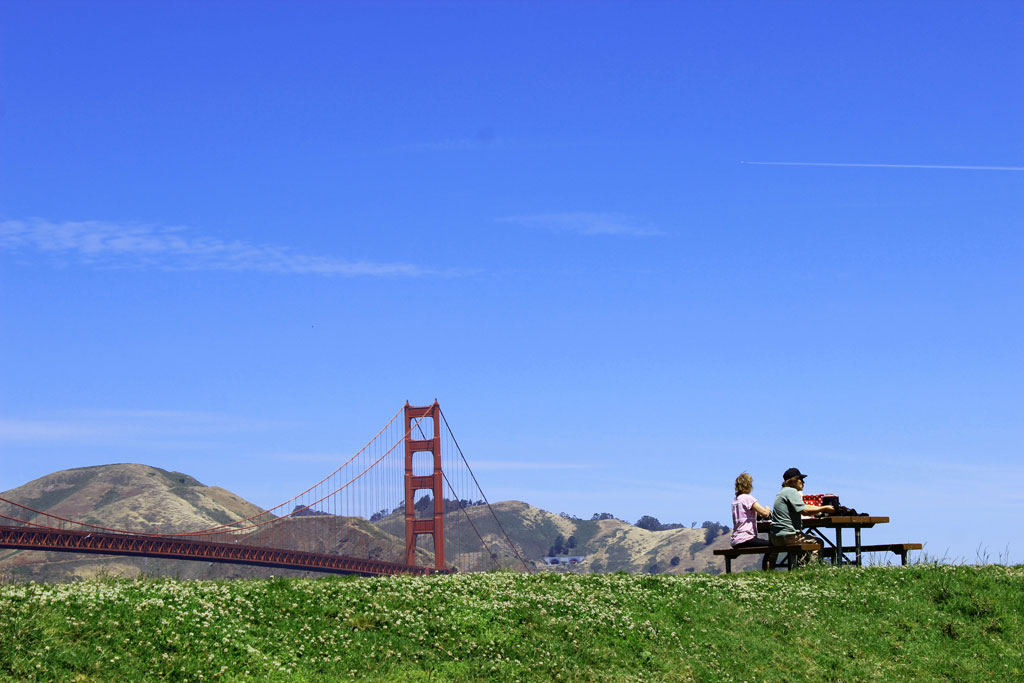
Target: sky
633 249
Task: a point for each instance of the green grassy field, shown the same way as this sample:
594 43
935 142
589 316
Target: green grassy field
923 622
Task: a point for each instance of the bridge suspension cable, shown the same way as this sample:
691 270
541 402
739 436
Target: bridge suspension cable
510 544
370 515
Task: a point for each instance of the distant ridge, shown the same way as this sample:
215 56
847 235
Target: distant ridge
144 498
126 496
609 545
134 497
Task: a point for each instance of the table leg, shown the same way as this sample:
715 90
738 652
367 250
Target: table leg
856 533
826 551
839 548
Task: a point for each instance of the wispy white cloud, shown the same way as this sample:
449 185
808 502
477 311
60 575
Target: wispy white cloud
178 248
585 223
336 458
650 487
47 431
932 166
485 138
522 465
449 145
121 427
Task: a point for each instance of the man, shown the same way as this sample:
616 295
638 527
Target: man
787 525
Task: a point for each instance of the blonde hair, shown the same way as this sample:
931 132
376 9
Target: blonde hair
744 484
792 483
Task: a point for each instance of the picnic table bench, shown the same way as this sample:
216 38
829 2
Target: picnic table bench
730 554
900 549
767 550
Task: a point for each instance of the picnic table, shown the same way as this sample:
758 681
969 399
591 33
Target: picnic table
835 551
832 550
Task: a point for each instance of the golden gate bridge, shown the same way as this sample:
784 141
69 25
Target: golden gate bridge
406 503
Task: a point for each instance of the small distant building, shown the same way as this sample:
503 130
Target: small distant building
564 559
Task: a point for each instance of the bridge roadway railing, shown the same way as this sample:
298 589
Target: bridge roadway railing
168 547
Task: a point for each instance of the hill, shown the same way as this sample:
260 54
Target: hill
153 500
131 496
920 622
144 498
607 545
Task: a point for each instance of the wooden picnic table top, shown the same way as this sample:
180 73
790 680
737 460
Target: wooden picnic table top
837 521
833 522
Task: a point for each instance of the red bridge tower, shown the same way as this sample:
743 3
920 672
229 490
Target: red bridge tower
418 417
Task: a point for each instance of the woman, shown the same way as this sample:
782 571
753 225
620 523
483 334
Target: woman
745 510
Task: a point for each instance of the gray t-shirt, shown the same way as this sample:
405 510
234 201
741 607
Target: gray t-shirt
786 512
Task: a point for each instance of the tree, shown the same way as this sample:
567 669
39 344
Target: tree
652 524
451 504
713 530
674 562
598 516
571 543
424 504
649 523
558 546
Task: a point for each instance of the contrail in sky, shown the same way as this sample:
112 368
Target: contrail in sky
819 163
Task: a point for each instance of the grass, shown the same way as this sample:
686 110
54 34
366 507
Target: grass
929 622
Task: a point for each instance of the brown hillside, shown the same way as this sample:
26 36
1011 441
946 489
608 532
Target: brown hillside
608 545
142 498
133 497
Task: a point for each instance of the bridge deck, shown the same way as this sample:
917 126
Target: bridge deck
168 547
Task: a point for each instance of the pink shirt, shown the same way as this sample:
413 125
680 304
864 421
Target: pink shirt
744 518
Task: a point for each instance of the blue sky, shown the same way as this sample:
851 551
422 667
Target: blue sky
632 248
